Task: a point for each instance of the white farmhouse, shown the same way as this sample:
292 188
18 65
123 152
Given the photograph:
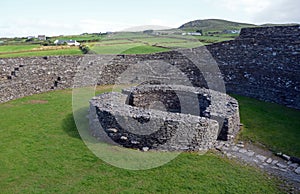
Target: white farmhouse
68 42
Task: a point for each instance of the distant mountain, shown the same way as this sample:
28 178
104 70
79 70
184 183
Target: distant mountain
210 25
213 25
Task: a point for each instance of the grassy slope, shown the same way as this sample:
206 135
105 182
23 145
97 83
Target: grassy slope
275 126
41 152
213 25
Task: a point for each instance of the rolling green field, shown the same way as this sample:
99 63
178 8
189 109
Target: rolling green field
126 35
133 43
130 48
273 125
144 49
79 38
117 43
41 152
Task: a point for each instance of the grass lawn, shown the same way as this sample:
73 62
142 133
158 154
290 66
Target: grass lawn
273 125
41 152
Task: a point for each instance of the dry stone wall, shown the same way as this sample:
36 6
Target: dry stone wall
133 119
262 63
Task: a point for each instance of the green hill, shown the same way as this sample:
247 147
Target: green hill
209 25
218 25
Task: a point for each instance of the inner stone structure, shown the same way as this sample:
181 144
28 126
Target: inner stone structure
164 117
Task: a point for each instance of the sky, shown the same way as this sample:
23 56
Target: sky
66 17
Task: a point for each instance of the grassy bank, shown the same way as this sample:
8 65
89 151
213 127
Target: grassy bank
273 125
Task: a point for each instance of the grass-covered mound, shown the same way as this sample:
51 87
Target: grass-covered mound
42 152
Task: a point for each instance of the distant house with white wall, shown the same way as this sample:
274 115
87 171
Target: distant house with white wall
42 37
231 31
68 42
192 34
30 37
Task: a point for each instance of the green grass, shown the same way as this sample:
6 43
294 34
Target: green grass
156 40
143 45
209 25
144 50
133 48
16 48
114 49
112 42
188 44
71 51
213 39
273 125
81 38
126 35
124 42
41 152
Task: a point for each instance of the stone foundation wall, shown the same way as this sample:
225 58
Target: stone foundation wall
114 120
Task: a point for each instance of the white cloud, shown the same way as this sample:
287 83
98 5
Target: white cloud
34 27
280 11
26 27
262 11
91 25
248 6
251 11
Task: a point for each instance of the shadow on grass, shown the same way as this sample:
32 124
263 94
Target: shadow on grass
69 126
78 128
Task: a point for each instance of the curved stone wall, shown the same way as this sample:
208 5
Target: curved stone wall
262 63
133 119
